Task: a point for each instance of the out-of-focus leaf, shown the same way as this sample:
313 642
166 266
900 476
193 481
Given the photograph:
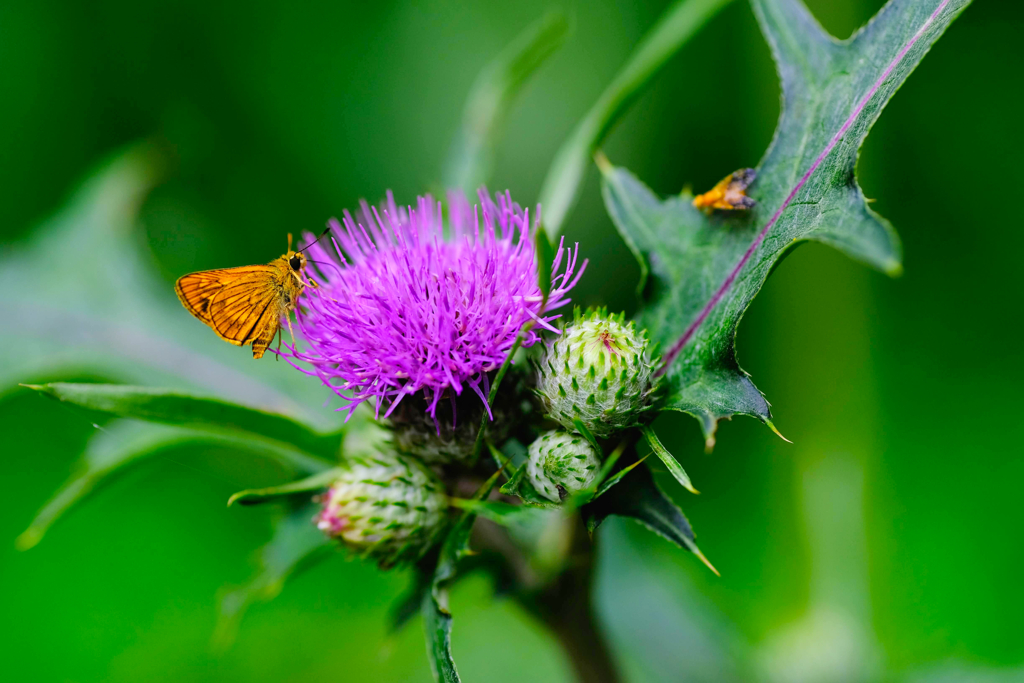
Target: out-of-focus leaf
315 482
411 602
639 497
562 184
670 462
89 303
472 155
126 442
437 620
706 269
295 545
169 406
545 530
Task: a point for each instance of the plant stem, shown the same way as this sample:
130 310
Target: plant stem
565 606
563 603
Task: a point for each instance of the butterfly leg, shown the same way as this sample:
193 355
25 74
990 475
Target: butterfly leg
291 331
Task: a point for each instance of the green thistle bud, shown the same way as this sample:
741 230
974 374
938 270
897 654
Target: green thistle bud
561 464
598 371
386 506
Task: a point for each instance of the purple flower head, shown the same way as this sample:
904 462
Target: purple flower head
409 302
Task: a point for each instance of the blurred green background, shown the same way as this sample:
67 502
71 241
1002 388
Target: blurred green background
884 544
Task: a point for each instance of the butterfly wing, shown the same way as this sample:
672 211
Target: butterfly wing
197 290
242 305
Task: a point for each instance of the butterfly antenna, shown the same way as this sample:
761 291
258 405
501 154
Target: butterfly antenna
289 241
326 230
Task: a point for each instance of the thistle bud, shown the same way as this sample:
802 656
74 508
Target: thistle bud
598 371
561 464
386 506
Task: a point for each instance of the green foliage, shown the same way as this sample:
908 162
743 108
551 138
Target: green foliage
683 254
519 485
89 303
639 497
565 176
471 159
124 443
189 409
670 462
704 270
437 619
502 513
296 544
180 418
611 481
317 482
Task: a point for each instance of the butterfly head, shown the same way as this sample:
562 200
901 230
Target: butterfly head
296 259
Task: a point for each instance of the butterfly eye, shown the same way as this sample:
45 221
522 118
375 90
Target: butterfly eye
295 262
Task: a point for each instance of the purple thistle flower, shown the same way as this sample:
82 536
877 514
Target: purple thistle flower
410 303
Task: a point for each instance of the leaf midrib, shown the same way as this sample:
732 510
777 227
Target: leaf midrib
859 109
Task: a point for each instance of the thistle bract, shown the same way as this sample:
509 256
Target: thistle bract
387 506
410 303
449 435
599 372
561 464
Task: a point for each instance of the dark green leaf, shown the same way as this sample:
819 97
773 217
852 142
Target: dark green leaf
670 462
296 544
472 156
639 497
125 442
706 269
437 626
565 176
317 482
190 409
